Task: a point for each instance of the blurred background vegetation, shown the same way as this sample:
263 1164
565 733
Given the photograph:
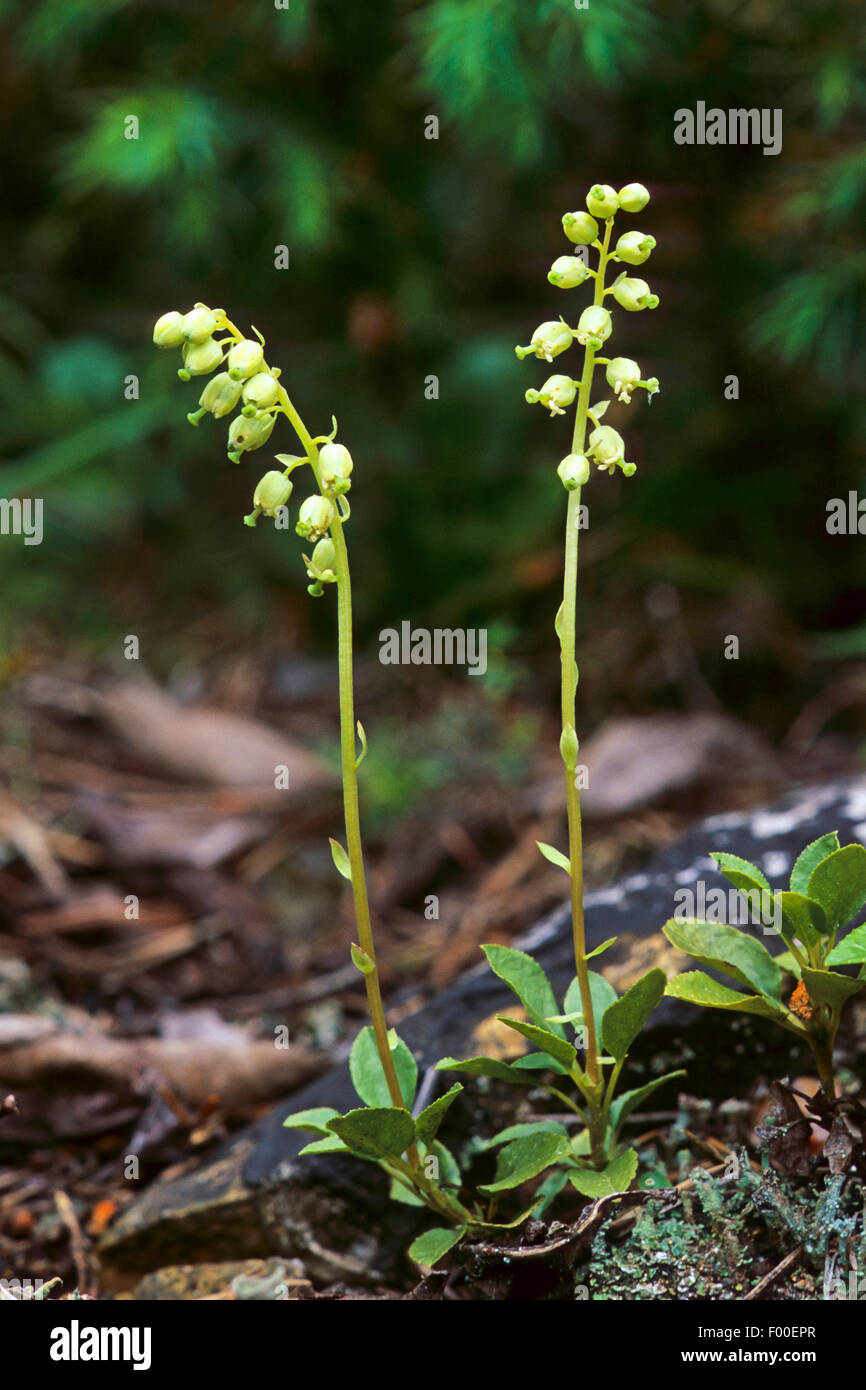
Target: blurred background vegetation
305 126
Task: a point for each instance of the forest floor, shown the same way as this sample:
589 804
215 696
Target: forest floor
166 910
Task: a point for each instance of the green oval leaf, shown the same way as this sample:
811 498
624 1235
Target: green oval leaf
616 1177
729 950
529 982
694 987
740 872
826 987
802 918
838 883
810 858
601 992
428 1122
525 1158
368 1076
488 1066
315 1120
623 1020
543 1039
520 1131
630 1100
375 1132
428 1249
851 950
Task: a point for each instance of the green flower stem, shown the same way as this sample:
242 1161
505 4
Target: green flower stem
569 693
351 810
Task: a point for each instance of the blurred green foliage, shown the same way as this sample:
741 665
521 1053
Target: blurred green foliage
305 126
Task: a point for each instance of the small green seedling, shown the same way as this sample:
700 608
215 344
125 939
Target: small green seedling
813 916
382 1130
594 1161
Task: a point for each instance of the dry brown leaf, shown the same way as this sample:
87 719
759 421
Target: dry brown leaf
205 745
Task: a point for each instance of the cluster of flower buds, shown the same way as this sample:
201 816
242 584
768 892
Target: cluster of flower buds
246 381
246 377
605 446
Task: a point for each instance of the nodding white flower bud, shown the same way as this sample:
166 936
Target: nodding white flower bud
635 247
594 326
573 471
633 293
323 562
335 468
548 341
607 447
580 228
567 272
634 197
556 393
200 358
245 359
623 375
602 200
273 491
315 518
261 390
168 330
221 395
199 324
249 432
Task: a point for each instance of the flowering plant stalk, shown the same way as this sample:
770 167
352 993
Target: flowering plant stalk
593 1161
384 1072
